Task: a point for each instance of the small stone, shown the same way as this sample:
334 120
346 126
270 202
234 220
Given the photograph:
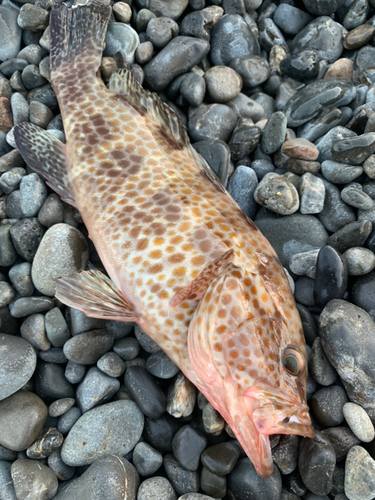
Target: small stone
33 330
359 36
49 441
357 198
244 107
244 482
300 149
220 459
252 69
146 459
188 445
20 276
40 114
241 187
340 173
342 68
122 12
32 17
352 235
223 83
30 478
63 472
8 254
56 328
320 368
161 366
26 237
212 484
327 405
304 263
285 454
161 30
354 150
67 420
127 348
121 37
312 194
145 341
359 261
359 422
213 121
6 120
95 389
111 364
9 181
60 406
278 194
359 474
181 397
7 293
335 214
273 134
146 393
212 421
30 305
342 439
290 19
156 487
20 108
22 416
50 382
112 428
183 480
86 348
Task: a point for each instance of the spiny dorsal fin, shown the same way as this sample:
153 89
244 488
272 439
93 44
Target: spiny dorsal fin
46 155
124 84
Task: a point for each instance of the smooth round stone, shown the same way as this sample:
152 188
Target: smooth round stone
347 332
270 35
330 277
285 454
11 179
304 291
161 366
142 19
244 483
340 173
181 397
322 35
40 114
244 107
30 478
180 55
213 422
356 14
11 32
13 205
112 428
187 446
146 393
17 364
325 143
353 234
369 166
159 432
67 420
359 474
193 89
359 261
32 17
28 305
217 155
293 234
290 19
74 372
111 477
359 422
8 254
95 389
31 77
26 237
169 8
86 348
32 330
62 471
278 194
327 405
357 198
212 484
49 441
146 459
213 121
273 134
342 439
223 83
253 70
80 323
220 459
50 382
302 66
244 140
127 348
300 149
323 7
316 463
312 194
199 23
310 100
6 483
320 368
183 480
62 252
57 330
160 30
231 38
60 406
335 214
364 66
354 150
111 364
342 68
304 263
359 36
327 119
20 276
121 37
22 417
241 187
53 355
156 487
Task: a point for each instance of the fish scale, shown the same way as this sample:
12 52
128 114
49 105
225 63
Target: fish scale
183 259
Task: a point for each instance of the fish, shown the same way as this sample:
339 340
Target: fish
183 261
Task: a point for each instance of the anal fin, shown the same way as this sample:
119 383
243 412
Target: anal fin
47 156
95 294
199 285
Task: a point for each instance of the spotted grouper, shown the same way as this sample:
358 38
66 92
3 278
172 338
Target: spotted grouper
184 262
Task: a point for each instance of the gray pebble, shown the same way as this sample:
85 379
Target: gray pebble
340 173
213 422
30 477
57 330
290 19
223 83
74 372
53 355
33 193
144 52
217 155
121 37
161 30
156 487
31 53
144 16
145 341
33 330
118 328
48 441
32 17
40 114
7 293
304 263
8 253
115 427
369 166
30 305
342 439
161 366
80 323
95 389
273 134
31 77
63 472
359 261
241 187
13 205
244 107
11 179
87 347
359 422
6 483
325 143
312 193
254 70
20 276
183 480
67 420
10 32
320 368
212 121
127 348
335 214
357 198
327 405
20 108
359 474
22 416
146 459
26 237
278 194
111 364
63 251
122 12
60 406
193 89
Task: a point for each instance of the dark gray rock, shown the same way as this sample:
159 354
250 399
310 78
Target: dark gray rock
183 480
336 213
30 475
327 405
212 121
331 276
342 439
86 348
26 237
290 19
50 382
245 484
96 388
273 134
161 366
241 187
146 459
187 446
254 70
146 393
157 487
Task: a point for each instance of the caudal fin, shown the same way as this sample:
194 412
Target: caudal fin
77 37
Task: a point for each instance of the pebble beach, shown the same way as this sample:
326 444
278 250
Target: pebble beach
279 99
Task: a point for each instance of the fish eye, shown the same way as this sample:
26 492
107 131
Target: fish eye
293 361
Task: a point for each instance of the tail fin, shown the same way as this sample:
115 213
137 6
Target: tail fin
77 36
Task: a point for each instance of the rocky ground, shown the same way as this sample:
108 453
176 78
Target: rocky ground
279 98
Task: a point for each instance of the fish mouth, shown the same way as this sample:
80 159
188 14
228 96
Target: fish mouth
274 412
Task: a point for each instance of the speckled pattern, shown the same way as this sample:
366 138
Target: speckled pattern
158 218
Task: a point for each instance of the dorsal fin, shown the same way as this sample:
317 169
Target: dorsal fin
123 83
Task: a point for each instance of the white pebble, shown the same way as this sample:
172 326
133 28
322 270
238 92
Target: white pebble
359 422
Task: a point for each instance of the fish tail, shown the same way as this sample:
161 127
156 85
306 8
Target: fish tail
77 37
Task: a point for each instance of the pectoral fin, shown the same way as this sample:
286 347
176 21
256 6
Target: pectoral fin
94 293
199 285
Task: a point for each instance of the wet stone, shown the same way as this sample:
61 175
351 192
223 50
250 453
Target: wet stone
342 68
11 32
357 198
325 143
244 482
40 114
213 422
327 405
10 180
312 193
217 155
156 487
359 422
342 439
146 393
320 368
121 37
335 214
181 397
146 459
347 332
212 484
183 480
359 261
253 70
48 442
270 35
310 100
353 234
359 36
22 416
220 459
321 7
364 66
30 477
144 16
30 305
273 134
359 474
331 276
193 89
304 291
300 149
369 166
86 348
304 263
301 167
127 348
244 107
277 194
356 14
316 464
354 150
53 355
340 173
111 364
159 432
285 454
50 382
96 388
199 23
241 187
161 366
290 19
213 121
26 237
245 138
327 119
161 30
302 66
187 446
